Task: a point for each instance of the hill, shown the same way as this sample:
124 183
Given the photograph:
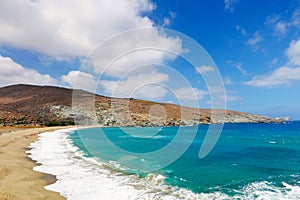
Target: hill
40 105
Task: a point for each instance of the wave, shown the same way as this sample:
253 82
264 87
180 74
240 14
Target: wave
80 177
265 190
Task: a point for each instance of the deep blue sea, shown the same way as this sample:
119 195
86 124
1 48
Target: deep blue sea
249 161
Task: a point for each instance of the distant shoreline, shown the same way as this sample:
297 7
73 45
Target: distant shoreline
53 106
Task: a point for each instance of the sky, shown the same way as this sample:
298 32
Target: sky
254 45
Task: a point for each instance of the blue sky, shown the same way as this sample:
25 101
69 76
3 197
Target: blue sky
254 44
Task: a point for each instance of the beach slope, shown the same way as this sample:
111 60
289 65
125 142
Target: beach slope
17 178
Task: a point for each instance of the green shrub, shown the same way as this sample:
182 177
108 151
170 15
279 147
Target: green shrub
58 123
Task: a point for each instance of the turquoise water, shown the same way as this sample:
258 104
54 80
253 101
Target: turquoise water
245 155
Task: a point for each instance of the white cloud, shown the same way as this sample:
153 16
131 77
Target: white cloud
284 75
80 80
70 28
64 30
14 73
146 85
132 49
229 5
205 68
255 40
189 93
281 27
168 20
293 53
280 76
295 21
221 93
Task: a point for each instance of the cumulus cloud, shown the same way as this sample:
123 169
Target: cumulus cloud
293 53
68 28
72 28
284 75
14 73
127 53
204 69
80 80
189 93
131 49
147 85
281 76
64 30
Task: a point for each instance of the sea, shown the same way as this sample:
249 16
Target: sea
247 161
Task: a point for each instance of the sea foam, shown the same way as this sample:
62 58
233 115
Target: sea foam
83 178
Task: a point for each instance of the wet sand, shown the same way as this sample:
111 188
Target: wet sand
17 178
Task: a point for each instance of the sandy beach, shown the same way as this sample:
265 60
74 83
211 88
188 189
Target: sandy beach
17 178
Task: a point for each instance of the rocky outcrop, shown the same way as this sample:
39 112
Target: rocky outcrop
242 118
37 105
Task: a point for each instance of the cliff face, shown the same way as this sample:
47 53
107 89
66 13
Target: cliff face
37 105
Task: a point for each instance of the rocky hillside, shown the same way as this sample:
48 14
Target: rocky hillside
39 105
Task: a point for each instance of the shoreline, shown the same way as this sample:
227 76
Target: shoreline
78 175
18 180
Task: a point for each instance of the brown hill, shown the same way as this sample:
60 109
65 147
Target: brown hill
37 105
